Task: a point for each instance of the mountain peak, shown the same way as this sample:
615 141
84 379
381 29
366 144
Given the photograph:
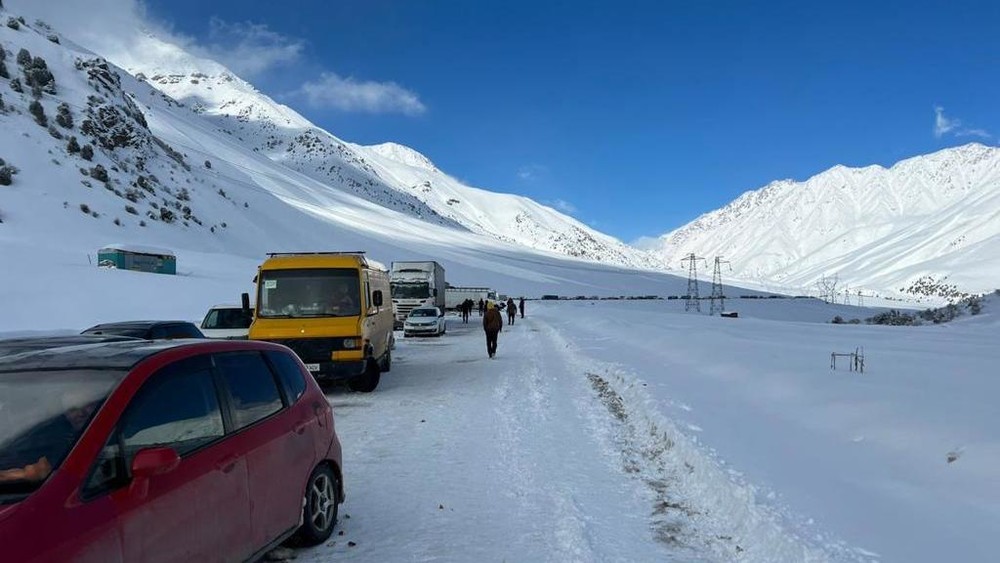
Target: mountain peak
878 229
218 143
403 155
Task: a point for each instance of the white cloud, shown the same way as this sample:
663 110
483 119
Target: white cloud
107 27
250 49
974 133
349 94
116 29
563 206
944 125
531 172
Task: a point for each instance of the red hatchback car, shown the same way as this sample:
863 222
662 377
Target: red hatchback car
163 451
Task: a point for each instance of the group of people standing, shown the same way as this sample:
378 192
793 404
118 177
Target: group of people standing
465 307
493 322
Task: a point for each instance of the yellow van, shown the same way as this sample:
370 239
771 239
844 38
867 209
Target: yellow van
328 307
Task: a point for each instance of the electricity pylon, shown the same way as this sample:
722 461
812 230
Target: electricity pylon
717 286
828 288
692 302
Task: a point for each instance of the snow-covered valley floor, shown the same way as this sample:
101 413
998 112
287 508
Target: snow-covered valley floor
623 431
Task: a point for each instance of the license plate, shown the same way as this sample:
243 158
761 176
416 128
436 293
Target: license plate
312 367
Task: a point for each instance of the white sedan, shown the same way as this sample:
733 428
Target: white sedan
226 321
425 321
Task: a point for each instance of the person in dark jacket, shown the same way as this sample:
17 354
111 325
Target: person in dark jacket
511 310
482 307
466 308
520 307
492 324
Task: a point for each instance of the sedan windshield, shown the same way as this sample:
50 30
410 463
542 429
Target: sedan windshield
42 415
327 292
424 313
227 318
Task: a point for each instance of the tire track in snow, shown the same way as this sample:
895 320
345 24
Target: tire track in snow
695 506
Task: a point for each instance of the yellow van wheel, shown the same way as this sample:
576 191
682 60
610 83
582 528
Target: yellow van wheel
367 382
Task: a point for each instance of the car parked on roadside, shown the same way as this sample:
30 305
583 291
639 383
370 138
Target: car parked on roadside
425 321
148 330
227 321
163 451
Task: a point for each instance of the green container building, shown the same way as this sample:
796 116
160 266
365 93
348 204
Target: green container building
137 258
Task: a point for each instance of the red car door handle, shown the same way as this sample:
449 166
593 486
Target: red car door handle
300 427
226 464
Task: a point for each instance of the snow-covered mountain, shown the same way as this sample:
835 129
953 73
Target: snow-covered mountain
391 175
93 155
929 224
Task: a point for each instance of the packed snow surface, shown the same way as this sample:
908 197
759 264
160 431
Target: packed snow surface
633 431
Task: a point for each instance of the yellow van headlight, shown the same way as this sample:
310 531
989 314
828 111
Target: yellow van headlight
352 343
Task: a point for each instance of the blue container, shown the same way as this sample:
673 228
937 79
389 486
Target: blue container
137 258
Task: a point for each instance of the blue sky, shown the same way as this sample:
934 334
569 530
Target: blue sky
634 116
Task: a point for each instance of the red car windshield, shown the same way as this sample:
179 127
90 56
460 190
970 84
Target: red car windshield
42 415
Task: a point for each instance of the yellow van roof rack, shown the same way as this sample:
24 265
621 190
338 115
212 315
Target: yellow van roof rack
334 252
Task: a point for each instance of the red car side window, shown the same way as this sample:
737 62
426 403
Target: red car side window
177 407
253 391
289 372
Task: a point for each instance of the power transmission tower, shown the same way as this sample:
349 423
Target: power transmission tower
692 301
717 287
828 288
861 299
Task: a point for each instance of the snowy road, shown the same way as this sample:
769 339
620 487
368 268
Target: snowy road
460 458
532 456
633 432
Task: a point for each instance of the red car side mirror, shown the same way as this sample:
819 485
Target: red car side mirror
149 462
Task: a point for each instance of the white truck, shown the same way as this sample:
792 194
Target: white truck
456 295
416 284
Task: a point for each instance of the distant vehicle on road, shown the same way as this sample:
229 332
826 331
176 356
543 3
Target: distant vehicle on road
226 321
416 284
148 330
425 321
454 296
174 451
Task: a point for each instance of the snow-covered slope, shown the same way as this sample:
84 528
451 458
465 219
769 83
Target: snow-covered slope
390 174
929 223
161 174
516 219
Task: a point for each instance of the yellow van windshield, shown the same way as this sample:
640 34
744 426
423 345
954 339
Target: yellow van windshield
313 292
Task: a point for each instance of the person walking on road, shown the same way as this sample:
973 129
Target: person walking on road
482 307
520 307
466 309
492 324
511 310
